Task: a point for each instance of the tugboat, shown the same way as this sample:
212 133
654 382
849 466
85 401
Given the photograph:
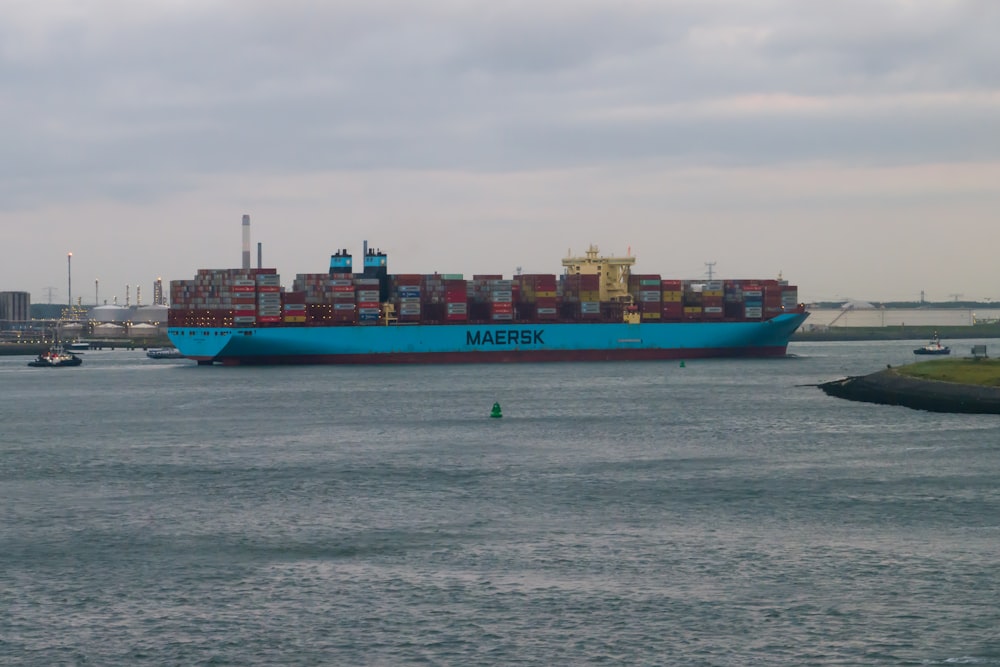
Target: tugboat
933 347
55 357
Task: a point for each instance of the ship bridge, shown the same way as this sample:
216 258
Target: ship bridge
613 272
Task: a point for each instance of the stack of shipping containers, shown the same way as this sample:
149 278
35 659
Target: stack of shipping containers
501 300
691 298
249 297
293 306
713 300
406 290
268 296
647 294
217 297
581 296
732 300
537 300
789 297
753 301
366 292
244 300
672 296
456 299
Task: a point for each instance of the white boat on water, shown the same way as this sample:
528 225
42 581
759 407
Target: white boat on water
164 353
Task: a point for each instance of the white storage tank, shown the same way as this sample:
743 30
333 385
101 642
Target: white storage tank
109 313
152 314
144 330
109 330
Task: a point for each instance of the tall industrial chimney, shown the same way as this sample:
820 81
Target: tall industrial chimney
260 256
246 242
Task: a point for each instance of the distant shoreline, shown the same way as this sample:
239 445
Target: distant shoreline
897 333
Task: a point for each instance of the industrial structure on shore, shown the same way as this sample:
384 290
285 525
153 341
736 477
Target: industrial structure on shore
20 319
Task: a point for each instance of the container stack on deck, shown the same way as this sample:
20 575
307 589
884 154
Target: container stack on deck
255 297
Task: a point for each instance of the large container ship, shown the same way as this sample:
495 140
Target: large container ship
597 309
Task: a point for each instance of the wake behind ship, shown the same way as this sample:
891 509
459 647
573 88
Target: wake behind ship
598 309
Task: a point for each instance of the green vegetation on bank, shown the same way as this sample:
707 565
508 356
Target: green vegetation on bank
981 372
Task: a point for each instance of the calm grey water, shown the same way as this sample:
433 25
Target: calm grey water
155 512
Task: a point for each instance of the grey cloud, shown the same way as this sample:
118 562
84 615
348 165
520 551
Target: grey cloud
137 104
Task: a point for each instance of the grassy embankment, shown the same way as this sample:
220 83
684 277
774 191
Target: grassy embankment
982 372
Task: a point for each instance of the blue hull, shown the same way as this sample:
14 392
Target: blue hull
484 343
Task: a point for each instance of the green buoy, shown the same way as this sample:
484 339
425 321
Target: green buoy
496 413
682 363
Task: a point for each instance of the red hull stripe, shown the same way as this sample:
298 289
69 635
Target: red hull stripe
509 356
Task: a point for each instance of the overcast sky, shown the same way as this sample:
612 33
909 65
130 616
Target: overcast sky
852 146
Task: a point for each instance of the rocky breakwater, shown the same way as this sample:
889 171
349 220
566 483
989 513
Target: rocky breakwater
922 390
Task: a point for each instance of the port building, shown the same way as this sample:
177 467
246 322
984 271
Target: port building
15 307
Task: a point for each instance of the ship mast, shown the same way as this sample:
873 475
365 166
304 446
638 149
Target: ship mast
613 271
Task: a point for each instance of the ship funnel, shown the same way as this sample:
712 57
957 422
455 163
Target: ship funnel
246 242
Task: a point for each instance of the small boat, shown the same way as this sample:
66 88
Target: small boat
54 357
933 347
77 346
164 353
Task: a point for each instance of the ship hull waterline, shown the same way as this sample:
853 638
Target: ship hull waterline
486 343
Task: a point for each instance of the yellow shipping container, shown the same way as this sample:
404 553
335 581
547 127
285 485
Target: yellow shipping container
692 310
295 318
712 293
673 297
650 316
